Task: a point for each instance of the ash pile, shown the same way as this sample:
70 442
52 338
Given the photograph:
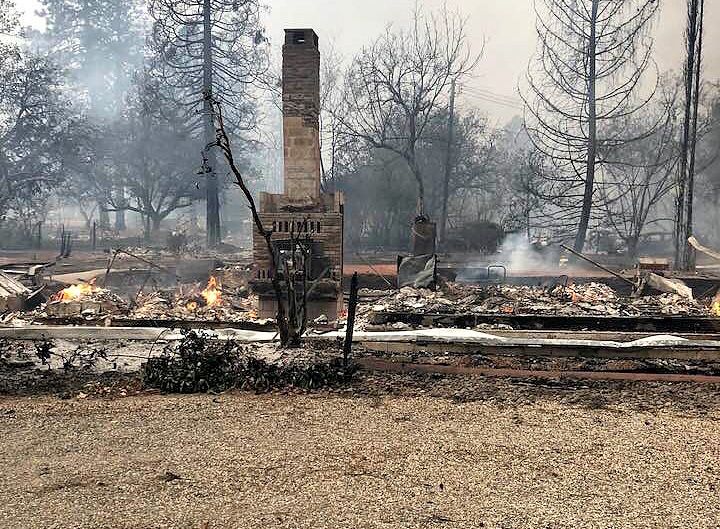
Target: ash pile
591 299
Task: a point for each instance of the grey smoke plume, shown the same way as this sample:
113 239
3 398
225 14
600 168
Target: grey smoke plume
517 254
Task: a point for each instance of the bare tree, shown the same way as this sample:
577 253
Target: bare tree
709 171
212 47
684 257
641 173
291 312
332 138
592 58
396 85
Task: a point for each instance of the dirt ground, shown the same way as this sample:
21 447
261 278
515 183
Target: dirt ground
455 453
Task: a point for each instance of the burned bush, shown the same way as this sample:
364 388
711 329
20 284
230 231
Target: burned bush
199 364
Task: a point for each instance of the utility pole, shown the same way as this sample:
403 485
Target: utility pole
448 165
211 181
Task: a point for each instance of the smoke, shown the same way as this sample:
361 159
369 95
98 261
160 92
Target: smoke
517 254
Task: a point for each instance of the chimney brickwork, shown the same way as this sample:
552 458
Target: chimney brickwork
302 208
301 113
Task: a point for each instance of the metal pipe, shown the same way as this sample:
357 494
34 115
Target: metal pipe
601 267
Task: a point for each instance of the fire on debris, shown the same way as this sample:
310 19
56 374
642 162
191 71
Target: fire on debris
75 292
715 307
211 292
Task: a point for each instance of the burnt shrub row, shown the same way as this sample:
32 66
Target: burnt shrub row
200 364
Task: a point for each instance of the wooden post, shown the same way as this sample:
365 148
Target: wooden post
62 241
350 325
94 236
68 245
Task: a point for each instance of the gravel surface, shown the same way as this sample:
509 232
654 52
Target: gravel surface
462 452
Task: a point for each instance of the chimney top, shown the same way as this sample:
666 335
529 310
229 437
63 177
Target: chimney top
301 37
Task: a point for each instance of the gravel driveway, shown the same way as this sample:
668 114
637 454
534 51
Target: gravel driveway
323 460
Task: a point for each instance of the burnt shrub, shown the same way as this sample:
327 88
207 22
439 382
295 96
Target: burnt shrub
199 364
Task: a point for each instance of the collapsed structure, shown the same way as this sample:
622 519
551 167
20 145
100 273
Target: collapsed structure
303 216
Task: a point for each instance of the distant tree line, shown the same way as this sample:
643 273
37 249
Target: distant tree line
106 109
103 109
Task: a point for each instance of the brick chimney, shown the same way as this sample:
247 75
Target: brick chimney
301 114
302 211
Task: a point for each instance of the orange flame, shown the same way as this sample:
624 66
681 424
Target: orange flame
715 307
74 292
211 292
191 306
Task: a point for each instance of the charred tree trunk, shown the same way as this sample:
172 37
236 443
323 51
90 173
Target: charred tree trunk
147 229
211 181
686 178
103 215
632 247
287 337
120 224
421 187
592 134
156 221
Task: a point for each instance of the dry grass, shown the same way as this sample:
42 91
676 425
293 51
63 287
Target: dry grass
324 461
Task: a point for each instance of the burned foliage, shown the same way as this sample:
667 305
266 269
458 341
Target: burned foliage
199 364
83 357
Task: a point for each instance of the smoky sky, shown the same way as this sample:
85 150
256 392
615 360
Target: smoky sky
506 27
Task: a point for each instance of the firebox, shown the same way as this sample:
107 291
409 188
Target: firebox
306 223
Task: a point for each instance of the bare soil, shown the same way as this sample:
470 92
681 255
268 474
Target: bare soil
389 451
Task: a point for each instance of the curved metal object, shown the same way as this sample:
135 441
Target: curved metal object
499 267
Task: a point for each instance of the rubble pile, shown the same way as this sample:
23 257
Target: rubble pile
84 299
571 300
192 302
169 306
215 302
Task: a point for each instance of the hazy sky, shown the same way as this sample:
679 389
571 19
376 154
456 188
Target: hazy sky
507 26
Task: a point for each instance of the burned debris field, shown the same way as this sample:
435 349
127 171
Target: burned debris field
382 264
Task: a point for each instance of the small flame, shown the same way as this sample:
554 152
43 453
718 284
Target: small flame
191 306
212 292
715 307
74 292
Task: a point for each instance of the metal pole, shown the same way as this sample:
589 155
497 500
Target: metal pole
62 241
350 325
601 267
448 165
